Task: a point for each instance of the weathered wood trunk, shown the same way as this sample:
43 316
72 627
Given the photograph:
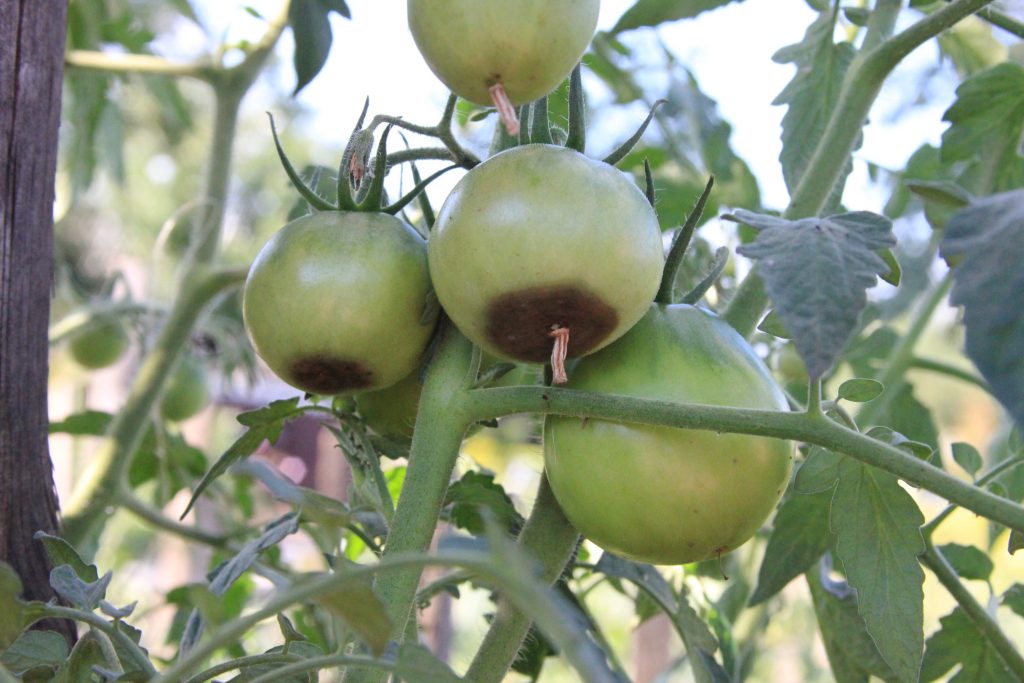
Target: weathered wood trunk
32 34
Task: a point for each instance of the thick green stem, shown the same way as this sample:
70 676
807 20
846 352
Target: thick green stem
550 539
137 64
860 88
983 621
902 356
809 428
441 423
218 174
881 23
98 488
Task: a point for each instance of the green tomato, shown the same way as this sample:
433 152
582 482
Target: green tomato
187 391
527 46
790 366
540 237
101 345
334 302
659 494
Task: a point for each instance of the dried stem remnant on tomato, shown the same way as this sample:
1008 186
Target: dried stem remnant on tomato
506 110
558 354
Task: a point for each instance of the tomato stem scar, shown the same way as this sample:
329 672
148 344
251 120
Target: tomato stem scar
506 111
558 354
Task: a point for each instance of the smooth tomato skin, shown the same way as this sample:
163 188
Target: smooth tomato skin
187 391
334 302
541 216
659 494
101 345
529 46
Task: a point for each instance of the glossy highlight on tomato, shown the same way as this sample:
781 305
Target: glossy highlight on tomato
538 238
660 494
334 303
527 46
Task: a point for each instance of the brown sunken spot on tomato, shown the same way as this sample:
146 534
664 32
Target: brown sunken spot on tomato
326 375
520 323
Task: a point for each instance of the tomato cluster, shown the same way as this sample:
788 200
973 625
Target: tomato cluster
538 253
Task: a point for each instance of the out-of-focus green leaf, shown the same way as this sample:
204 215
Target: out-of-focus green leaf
958 642
310 22
800 536
988 240
969 562
654 12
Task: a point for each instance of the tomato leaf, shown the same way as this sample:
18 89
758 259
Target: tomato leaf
303 649
958 642
969 562
1013 598
967 457
878 538
310 22
264 424
417 664
912 421
78 667
800 536
696 635
798 261
84 594
477 491
988 237
852 653
860 390
1016 541
61 552
986 123
35 650
654 12
226 573
819 472
811 95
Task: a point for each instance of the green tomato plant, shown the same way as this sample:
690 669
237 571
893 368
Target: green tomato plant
678 473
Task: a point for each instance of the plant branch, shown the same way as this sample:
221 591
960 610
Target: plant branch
989 477
242 662
100 624
950 370
127 499
810 428
90 60
982 620
82 321
85 511
860 88
550 539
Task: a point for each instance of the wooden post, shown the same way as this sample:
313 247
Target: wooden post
32 35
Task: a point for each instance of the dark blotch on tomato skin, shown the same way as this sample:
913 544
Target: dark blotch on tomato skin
520 323
326 375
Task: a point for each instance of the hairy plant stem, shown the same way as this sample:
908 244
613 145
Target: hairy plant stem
807 427
860 87
982 620
441 424
550 539
527 593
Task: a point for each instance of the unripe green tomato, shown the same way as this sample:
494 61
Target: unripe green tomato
187 391
660 494
527 46
790 366
101 345
334 302
540 237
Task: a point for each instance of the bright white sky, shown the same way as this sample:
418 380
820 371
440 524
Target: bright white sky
728 49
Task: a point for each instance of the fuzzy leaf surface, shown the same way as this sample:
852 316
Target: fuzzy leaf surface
878 538
817 272
988 238
986 124
820 65
310 22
